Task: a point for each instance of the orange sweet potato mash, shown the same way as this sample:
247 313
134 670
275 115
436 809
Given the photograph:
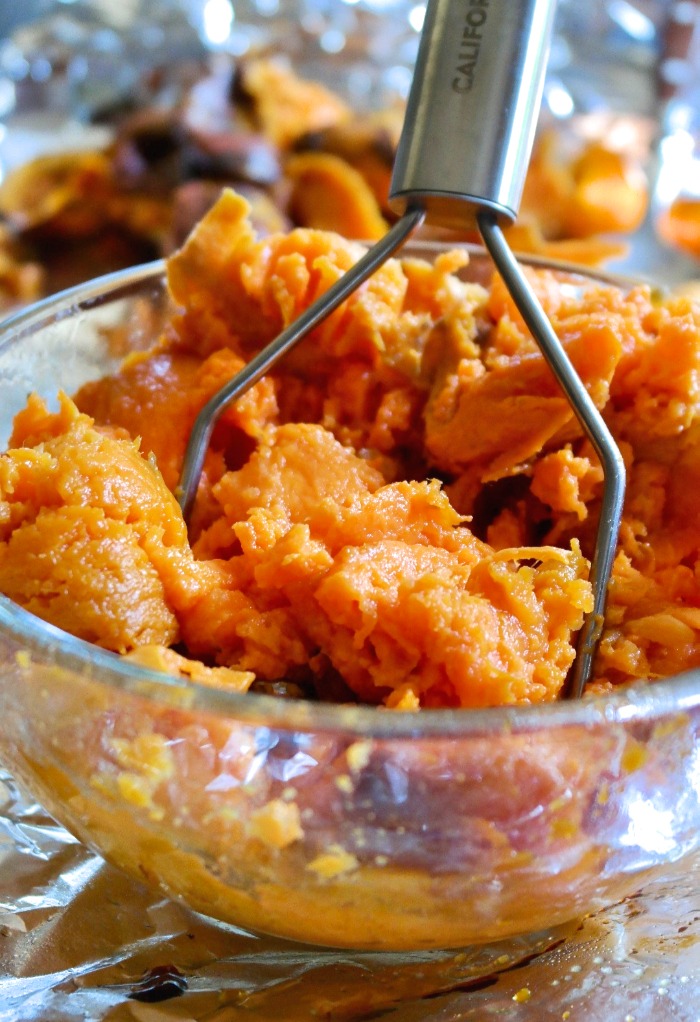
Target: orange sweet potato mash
400 514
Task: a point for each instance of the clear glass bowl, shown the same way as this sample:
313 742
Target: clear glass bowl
332 824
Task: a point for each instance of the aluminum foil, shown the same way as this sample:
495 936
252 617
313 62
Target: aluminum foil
86 57
80 941
83 56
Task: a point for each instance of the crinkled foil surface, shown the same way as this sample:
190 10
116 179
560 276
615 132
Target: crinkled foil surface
80 941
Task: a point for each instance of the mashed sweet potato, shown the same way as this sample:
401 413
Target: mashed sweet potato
399 514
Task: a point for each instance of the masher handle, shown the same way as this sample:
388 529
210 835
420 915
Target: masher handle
473 108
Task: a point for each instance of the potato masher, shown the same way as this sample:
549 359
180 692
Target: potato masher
461 161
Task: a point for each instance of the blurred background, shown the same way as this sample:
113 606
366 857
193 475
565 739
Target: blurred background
606 52
182 91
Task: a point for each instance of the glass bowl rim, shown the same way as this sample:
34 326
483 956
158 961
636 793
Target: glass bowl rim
644 700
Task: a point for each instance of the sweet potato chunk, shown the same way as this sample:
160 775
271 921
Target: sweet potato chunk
391 587
91 539
328 194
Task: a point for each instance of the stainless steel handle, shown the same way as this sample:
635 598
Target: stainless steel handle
472 110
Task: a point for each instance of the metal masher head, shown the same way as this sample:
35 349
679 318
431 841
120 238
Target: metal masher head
462 158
